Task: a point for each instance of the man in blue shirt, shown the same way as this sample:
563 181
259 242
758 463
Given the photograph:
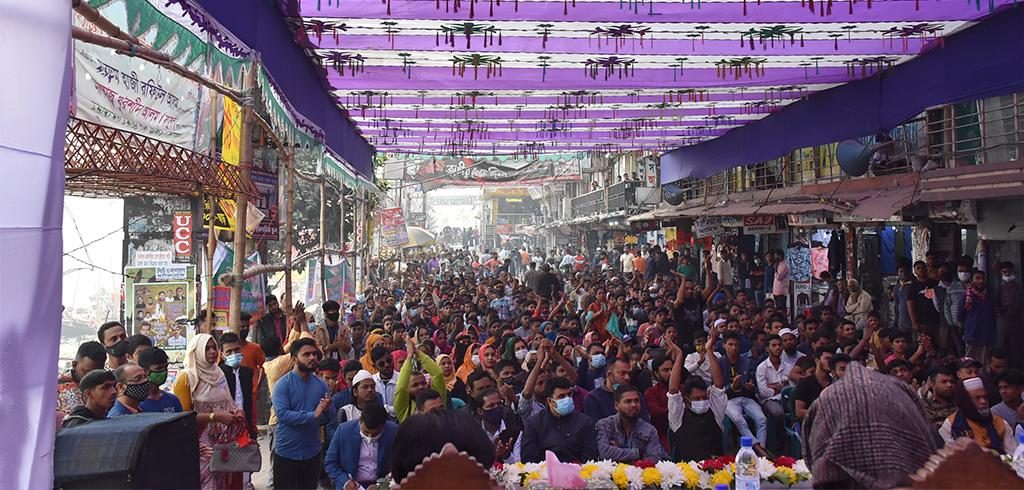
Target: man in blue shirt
300 398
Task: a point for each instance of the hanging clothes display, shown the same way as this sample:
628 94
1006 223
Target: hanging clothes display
887 237
837 253
920 238
819 261
799 257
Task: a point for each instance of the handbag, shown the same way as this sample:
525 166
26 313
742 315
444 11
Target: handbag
241 456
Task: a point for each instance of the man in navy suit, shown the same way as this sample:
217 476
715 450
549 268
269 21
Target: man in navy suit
360 452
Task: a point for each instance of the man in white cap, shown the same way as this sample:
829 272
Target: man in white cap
699 363
789 351
974 420
364 391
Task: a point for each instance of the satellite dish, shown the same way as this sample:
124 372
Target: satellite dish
855 157
673 194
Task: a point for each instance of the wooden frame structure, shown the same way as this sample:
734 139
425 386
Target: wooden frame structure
104 161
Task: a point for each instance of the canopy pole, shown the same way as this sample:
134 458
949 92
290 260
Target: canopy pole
242 199
341 238
289 165
323 237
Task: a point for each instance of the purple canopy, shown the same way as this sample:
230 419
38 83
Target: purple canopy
522 77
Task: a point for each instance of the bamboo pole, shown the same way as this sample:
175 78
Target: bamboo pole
289 221
323 237
211 248
242 199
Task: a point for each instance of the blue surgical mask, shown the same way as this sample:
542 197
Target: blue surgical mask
564 406
598 360
312 327
234 360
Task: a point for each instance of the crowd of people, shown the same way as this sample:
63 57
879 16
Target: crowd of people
623 356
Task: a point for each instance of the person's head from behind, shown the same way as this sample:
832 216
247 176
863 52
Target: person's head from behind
372 420
428 401
305 354
558 397
425 434
99 390
90 356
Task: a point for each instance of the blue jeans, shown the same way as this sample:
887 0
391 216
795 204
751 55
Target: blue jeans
740 406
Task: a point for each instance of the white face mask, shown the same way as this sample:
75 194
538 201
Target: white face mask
521 354
700 406
964 276
1009 278
476 360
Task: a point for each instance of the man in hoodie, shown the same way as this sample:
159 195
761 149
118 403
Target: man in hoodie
99 391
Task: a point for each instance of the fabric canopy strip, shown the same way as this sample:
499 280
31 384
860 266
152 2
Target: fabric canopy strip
463 77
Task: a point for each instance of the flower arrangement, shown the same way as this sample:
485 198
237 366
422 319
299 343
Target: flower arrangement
692 475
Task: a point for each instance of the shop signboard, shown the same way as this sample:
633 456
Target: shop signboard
708 226
807 220
182 241
756 225
152 258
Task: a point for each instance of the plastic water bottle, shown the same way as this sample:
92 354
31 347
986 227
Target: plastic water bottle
747 477
1018 456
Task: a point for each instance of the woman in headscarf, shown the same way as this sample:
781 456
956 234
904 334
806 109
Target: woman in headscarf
441 341
470 361
858 304
489 357
202 387
372 340
445 361
866 413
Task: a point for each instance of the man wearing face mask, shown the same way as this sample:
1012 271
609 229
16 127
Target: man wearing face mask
360 451
954 295
132 388
239 377
591 370
1009 307
114 338
559 429
154 361
600 402
502 425
695 413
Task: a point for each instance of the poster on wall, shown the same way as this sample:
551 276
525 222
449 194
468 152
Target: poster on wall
266 201
340 282
160 302
392 227
134 95
312 286
254 288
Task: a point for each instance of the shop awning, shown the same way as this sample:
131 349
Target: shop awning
879 203
987 181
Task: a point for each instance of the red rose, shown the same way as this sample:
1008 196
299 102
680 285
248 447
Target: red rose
786 461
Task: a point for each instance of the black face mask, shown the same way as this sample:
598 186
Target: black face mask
333 316
120 349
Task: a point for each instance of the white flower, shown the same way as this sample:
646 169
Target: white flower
604 470
635 476
671 477
765 468
800 467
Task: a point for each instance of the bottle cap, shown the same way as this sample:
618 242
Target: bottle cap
746 442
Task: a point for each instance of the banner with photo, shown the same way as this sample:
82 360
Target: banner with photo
392 227
266 201
253 289
313 289
160 301
134 95
340 282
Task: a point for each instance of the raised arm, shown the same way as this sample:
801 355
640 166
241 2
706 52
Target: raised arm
717 377
531 380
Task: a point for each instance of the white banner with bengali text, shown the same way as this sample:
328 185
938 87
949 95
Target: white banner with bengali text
134 95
